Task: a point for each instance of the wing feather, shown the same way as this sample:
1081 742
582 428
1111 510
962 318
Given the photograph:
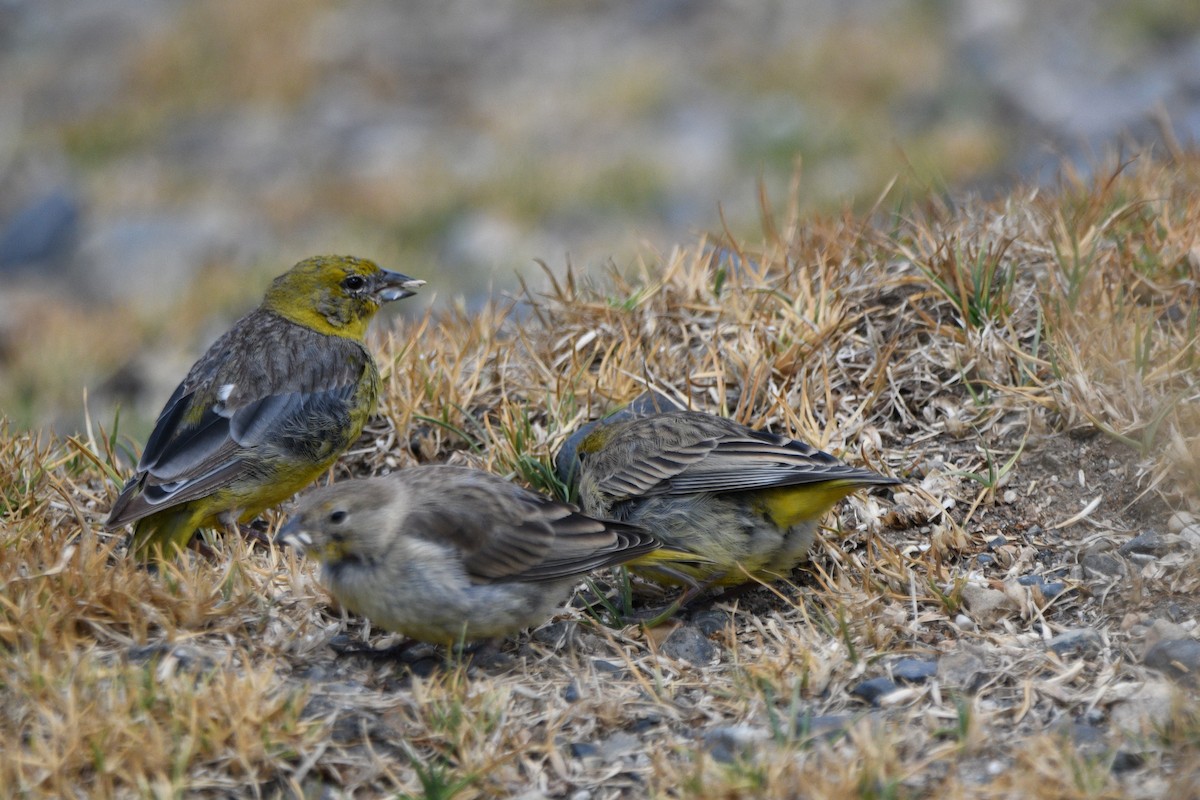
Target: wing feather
241 403
525 536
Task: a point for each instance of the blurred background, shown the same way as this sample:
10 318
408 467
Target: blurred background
161 160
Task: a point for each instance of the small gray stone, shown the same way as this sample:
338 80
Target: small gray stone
687 643
987 604
619 744
711 622
1089 740
1152 545
1147 708
874 690
607 666
960 669
571 693
828 726
583 750
1102 565
1161 630
1053 590
914 670
1176 658
1049 590
1076 642
643 724
731 743
1125 761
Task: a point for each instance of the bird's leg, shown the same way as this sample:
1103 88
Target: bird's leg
256 531
682 603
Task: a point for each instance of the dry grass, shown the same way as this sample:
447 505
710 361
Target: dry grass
1028 365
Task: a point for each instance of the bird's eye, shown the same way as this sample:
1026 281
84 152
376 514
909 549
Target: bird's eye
337 517
354 283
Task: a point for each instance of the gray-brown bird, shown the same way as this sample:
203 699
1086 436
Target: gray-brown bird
444 554
743 503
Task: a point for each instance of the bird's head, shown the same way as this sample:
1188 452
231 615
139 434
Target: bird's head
350 521
336 295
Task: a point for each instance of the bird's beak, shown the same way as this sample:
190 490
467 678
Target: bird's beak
293 535
395 286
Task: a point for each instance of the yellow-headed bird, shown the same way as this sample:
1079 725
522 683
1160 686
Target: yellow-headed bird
442 553
266 410
745 502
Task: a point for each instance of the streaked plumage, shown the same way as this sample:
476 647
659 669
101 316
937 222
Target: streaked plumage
442 553
746 502
267 409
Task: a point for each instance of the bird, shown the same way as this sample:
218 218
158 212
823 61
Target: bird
267 409
743 503
446 554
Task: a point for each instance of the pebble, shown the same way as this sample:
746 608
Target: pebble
964 623
1125 761
1162 629
1049 590
987 604
914 670
1102 565
1180 520
617 745
827 726
960 669
1176 658
583 750
687 643
1191 536
711 622
1089 740
1152 545
874 690
1145 709
731 743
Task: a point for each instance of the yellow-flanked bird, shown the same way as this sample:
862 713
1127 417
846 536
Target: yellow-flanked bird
266 410
746 503
444 554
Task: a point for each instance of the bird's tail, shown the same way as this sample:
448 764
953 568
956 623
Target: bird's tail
805 502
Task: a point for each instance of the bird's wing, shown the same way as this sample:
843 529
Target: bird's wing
718 455
760 461
524 536
213 431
